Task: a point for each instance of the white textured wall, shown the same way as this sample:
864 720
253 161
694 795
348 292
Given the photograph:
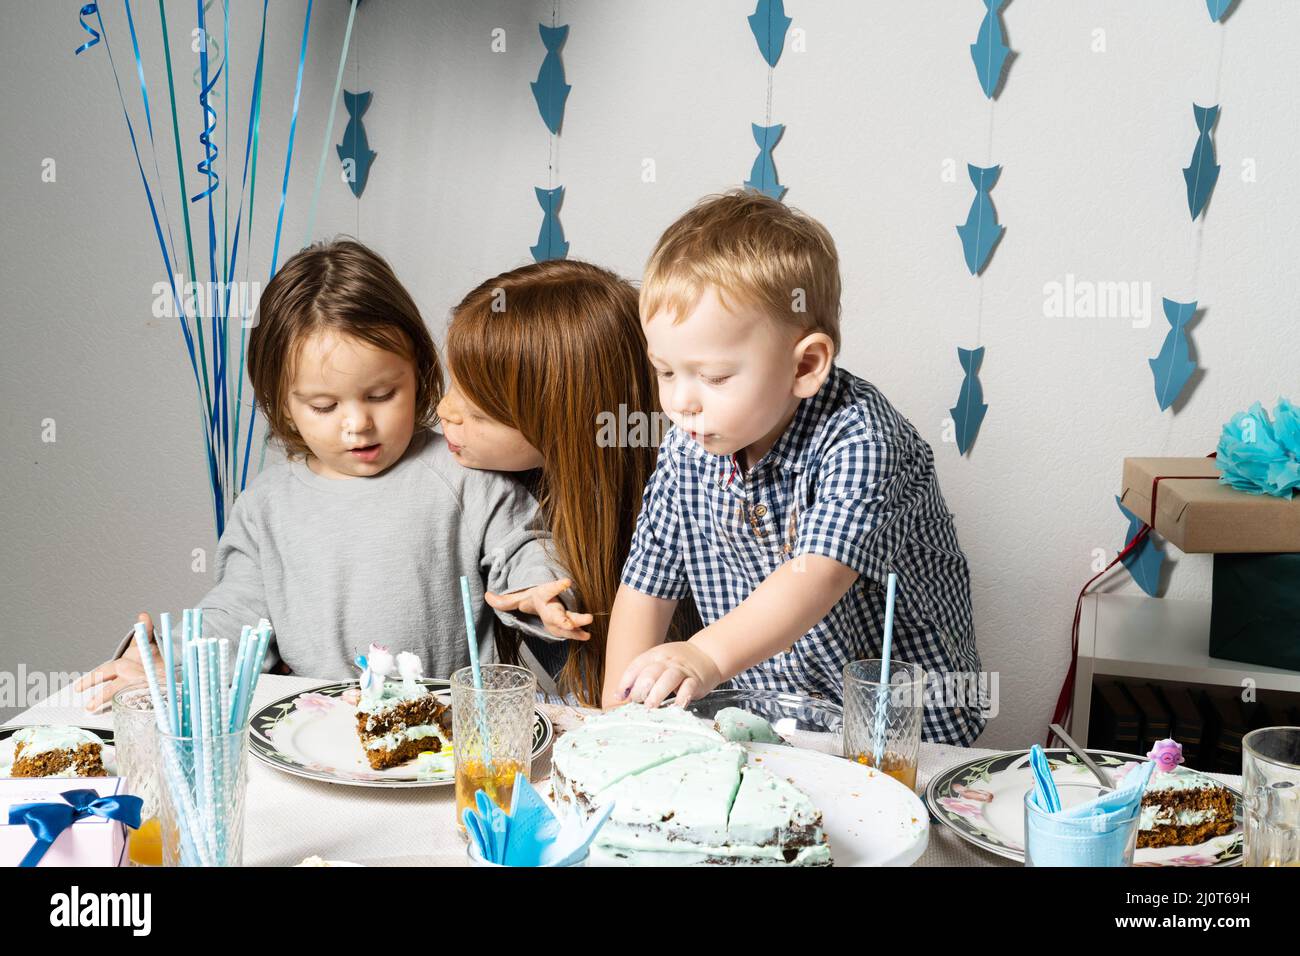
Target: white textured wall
103 522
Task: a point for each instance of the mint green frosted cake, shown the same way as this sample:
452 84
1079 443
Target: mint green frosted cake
682 793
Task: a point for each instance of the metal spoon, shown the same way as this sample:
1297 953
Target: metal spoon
1082 754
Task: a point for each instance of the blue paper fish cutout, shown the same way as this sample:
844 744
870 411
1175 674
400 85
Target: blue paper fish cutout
762 177
1217 8
1203 173
355 145
550 241
968 414
550 90
989 51
1173 366
769 23
981 231
1144 561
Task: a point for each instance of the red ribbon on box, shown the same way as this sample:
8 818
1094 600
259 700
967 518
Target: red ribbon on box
1065 700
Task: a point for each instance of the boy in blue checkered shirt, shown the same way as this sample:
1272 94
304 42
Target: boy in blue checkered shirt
787 489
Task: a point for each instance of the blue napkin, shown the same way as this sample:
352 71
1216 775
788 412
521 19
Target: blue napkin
531 834
1095 833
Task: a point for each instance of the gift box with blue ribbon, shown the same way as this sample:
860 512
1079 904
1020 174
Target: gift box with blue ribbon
65 821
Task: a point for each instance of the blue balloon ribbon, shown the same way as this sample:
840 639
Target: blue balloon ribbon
279 224
86 11
48 820
167 264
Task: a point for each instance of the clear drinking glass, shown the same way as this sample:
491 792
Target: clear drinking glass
204 785
891 713
135 741
1100 840
492 733
1270 758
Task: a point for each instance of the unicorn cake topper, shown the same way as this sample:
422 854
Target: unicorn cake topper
409 666
1167 754
376 664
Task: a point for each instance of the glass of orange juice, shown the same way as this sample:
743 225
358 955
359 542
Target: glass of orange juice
136 749
492 733
882 724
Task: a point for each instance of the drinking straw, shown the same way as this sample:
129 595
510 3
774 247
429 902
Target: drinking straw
218 750
164 719
478 674
169 675
200 761
146 658
238 681
882 691
187 628
202 753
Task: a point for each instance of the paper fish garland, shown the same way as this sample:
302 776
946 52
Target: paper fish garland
1173 366
1143 562
969 412
355 148
989 51
1203 173
1217 8
762 177
550 90
550 241
981 231
769 23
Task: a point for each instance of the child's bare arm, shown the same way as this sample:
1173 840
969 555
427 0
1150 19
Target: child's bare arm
778 612
637 623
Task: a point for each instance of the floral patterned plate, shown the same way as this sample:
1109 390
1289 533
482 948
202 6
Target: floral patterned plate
982 801
313 734
108 754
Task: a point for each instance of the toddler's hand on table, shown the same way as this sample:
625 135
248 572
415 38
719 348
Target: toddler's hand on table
112 676
543 601
677 665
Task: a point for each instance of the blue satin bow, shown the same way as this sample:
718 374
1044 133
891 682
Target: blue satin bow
48 820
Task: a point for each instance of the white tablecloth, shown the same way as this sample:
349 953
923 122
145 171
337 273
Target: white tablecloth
289 818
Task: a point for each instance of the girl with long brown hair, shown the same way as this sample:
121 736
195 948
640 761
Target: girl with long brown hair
550 380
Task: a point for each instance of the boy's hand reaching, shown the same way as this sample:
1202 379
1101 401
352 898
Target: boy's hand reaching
543 601
112 676
679 666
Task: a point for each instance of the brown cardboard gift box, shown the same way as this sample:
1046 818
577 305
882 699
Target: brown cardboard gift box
1202 516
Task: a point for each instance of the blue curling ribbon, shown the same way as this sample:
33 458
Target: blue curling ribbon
206 165
279 223
167 265
48 820
86 11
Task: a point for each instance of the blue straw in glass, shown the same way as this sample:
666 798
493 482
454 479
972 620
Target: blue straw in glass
882 692
478 674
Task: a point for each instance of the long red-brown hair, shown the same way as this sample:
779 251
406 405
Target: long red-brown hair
552 349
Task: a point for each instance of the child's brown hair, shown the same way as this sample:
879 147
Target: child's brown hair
347 288
754 250
545 349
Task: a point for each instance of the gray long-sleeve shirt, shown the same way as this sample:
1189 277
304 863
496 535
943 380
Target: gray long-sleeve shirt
335 564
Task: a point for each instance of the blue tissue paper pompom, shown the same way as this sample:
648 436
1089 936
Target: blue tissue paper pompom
1260 455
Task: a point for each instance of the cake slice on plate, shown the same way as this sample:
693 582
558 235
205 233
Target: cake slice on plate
1182 807
397 721
57 752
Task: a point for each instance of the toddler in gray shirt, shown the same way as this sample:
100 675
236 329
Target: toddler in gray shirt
363 533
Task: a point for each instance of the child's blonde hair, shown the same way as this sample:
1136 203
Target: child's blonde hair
755 250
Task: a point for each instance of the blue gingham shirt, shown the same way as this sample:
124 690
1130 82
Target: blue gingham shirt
850 479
